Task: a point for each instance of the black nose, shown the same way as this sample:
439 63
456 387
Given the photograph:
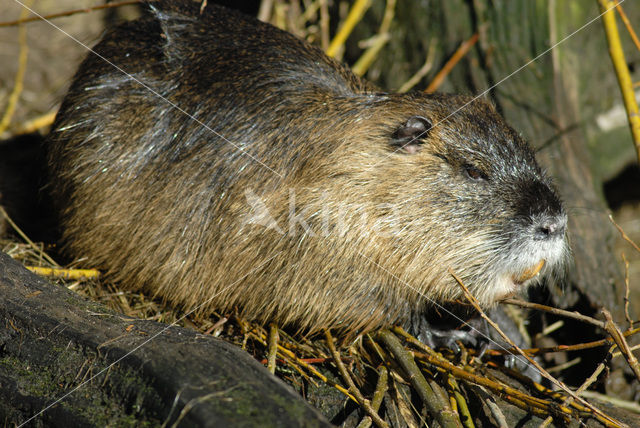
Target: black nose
550 226
541 210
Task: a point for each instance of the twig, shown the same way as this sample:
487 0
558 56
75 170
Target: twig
626 292
455 58
493 407
264 13
619 354
624 235
35 124
618 337
551 328
526 402
306 360
69 13
366 59
22 68
536 406
324 25
378 395
438 409
597 412
279 16
406 409
564 348
381 388
287 354
366 404
594 376
622 69
550 393
216 328
461 403
273 348
560 312
627 24
559 368
73 274
26 238
426 67
355 15
203 6
380 39
622 404
309 13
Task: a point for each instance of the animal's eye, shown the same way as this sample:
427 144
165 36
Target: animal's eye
474 173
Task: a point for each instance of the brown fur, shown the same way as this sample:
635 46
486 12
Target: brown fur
165 204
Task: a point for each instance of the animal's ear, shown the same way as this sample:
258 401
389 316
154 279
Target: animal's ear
411 135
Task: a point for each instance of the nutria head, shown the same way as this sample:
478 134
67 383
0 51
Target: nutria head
416 186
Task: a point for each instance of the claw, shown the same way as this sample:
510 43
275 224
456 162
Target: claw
476 334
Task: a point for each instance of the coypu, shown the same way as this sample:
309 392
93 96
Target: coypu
218 162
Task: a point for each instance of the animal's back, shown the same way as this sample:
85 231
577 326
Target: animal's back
150 154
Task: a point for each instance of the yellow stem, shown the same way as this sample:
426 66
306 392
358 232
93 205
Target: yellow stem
355 15
22 68
65 273
622 71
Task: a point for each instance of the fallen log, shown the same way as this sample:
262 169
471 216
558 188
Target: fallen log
65 360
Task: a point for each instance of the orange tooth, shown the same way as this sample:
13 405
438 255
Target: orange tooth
530 273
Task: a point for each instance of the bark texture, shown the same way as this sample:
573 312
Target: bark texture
85 365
